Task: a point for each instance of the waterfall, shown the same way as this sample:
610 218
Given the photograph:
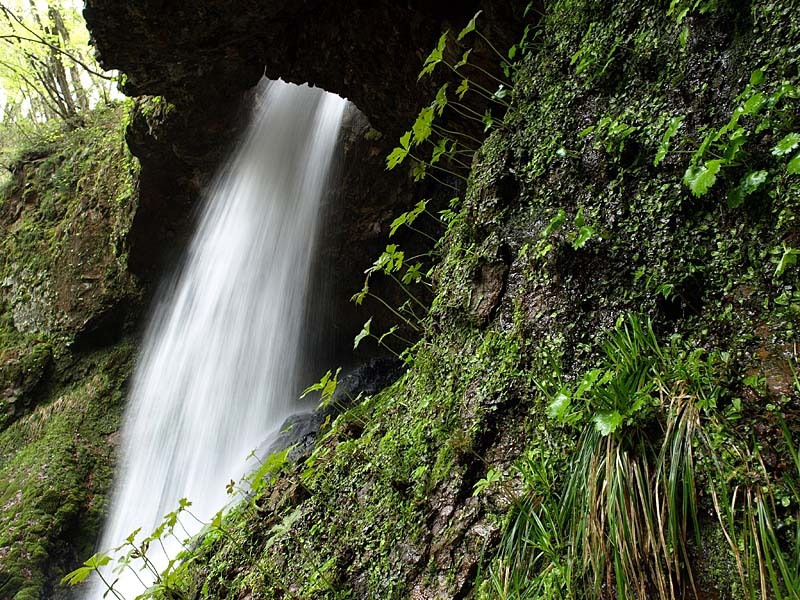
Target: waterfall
218 367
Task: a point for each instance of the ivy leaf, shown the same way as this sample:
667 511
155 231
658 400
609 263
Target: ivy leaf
434 58
579 220
405 141
663 148
414 274
470 26
396 156
749 184
388 333
757 77
77 576
512 52
794 165
737 140
364 333
607 421
359 297
700 179
415 212
787 144
502 92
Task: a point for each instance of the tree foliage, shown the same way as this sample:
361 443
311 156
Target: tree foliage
48 75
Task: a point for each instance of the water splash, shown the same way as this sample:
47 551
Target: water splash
218 367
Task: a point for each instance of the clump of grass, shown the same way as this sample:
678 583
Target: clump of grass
625 519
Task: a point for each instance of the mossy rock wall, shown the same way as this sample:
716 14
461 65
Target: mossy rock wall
66 304
385 507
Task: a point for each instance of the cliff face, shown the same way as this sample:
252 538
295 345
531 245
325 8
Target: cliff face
67 301
610 189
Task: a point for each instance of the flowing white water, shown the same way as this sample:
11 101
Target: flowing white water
217 371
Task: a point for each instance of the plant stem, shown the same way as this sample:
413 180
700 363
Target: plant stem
395 312
408 293
459 133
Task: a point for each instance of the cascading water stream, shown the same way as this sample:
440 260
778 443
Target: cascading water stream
218 369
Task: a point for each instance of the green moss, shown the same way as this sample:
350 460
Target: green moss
63 264
55 470
63 227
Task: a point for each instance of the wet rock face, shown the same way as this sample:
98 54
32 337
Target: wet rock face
367 51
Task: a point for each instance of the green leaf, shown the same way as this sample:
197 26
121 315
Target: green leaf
753 104
440 102
464 60
364 333
413 274
470 26
388 333
77 576
423 125
418 209
359 297
435 57
558 409
326 386
420 171
701 179
794 165
749 184
788 259
399 154
405 141
663 148
488 120
397 223
462 89
555 223
579 220
90 566
787 144
512 52
501 93
439 150
396 156
756 77
737 140
585 233
607 422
